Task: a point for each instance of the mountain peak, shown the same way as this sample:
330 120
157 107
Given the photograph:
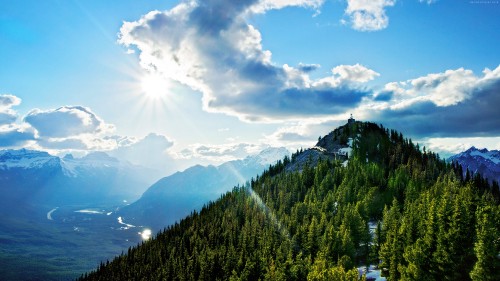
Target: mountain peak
271 155
68 156
472 148
100 156
25 158
483 161
22 153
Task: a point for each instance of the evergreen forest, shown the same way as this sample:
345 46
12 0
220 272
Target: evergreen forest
392 204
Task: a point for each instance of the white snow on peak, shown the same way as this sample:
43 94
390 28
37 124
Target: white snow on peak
492 155
271 155
489 155
32 159
24 158
71 165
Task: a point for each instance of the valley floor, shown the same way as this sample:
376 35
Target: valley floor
62 242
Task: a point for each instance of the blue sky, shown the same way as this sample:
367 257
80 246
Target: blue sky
216 80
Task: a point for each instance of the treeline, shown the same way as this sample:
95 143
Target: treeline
394 205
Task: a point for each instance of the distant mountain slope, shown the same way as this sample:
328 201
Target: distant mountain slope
36 177
175 196
482 161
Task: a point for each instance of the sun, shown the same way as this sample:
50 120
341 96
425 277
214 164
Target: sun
154 86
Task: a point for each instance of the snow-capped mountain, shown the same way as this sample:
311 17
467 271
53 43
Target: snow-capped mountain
26 159
38 178
268 156
175 196
482 161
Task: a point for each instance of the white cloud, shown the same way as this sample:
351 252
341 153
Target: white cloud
368 15
265 5
214 50
303 133
346 75
12 134
354 73
217 154
7 101
68 128
395 87
63 144
453 103
7 115
150 151
77 143
66 121
443 89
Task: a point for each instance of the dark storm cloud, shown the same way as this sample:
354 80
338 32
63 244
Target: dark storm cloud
296 102
477 116
308 67
384 96
212 16
15 137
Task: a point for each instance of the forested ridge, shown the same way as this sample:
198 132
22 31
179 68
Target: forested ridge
429 222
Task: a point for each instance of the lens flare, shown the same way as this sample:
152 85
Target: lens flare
269 213
146 234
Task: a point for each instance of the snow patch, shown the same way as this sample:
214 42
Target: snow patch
319 148
372 273
488 155
345 151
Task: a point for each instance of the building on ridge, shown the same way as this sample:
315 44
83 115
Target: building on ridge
351 120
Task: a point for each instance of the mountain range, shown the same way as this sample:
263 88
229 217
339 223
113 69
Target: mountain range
38 178
173 197
482 161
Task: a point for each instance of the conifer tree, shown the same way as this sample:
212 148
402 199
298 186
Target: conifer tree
486 246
